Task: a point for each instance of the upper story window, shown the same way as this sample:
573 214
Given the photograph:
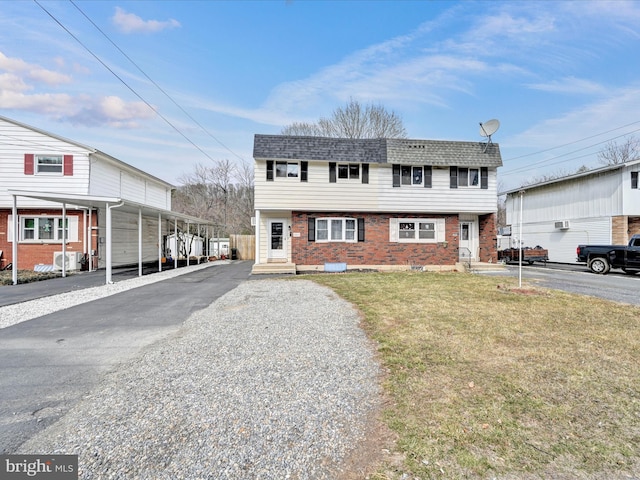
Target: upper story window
44 164
634 179
348 172
287 170
48 163
469 177
412 175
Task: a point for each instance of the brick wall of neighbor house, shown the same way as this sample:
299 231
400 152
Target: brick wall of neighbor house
488 238
376 249
619 228
31 254
634 226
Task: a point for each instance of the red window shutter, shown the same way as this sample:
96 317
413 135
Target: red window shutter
68 165
28 163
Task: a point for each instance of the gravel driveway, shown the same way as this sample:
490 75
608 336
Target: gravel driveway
274 380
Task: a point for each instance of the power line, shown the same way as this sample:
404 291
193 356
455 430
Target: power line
533 165
153 82
124 83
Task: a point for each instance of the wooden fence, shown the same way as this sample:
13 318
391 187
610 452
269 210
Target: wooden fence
245 245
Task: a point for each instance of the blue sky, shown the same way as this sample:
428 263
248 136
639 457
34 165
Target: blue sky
563 78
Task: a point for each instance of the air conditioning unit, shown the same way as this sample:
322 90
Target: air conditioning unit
72 260
562 225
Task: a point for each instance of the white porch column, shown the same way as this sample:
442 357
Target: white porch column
257 237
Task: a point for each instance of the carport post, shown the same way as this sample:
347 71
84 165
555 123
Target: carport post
175 236
108 240
14 245
64 239
159 242
139 242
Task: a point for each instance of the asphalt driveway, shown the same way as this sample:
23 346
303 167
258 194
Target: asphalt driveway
49 363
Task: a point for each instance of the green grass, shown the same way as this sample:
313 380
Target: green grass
26 276
487 380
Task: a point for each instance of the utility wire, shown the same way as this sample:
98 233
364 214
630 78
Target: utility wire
533 165
123 82
153 82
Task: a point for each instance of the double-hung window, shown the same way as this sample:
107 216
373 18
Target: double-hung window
416 230
281 169
412 175
347 172
336 230
469 177
48 164
43 229
634 180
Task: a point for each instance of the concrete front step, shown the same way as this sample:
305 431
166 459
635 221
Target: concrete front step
478 266
274 268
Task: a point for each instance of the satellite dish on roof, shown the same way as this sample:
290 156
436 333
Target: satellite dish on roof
487 129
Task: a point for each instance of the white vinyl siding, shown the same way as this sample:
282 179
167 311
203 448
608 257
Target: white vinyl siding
378 195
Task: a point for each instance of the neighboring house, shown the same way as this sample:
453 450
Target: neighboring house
373 203
112 213
600 206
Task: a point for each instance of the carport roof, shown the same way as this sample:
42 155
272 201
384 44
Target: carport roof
93 201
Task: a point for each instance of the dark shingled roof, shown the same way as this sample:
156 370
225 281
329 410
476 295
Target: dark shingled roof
377 150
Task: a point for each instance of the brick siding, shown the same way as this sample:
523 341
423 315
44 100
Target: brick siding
377 250
31 254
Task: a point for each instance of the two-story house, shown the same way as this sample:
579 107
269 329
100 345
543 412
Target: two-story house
599 206
373 203
68 205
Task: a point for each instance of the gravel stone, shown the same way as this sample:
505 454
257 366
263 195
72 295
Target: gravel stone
274 380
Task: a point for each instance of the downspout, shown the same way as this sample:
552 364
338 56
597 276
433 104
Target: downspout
108 235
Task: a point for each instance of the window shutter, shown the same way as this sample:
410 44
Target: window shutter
10 228
28 163
311 229
332 172
270 170
365 173
73 228
67 165
453 177
393 229
361 229
484 177
441 230
396 175
428 173
304 171
634 179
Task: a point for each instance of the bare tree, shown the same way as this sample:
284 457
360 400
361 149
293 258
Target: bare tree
221 193
353 121
614 153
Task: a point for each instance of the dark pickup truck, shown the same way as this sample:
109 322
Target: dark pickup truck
601 258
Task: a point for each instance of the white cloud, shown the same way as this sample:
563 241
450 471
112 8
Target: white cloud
570 85
131 23
32 72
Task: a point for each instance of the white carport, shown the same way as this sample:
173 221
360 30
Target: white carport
107 204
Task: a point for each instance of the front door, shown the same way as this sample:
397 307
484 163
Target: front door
467 243
278 240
